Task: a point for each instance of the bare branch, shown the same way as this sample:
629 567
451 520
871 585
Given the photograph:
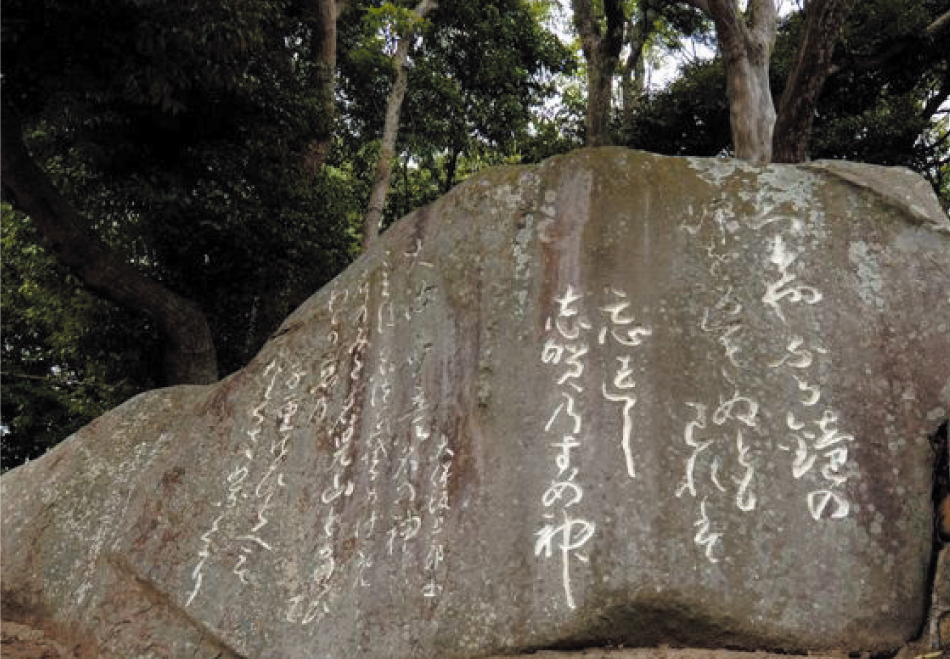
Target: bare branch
941 23
384 165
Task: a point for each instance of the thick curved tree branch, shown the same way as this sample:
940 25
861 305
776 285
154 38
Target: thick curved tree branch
189 349
813 66
939 24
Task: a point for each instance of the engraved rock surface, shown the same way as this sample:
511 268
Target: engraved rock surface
614 398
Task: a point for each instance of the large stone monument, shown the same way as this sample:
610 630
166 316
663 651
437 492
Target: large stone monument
614 398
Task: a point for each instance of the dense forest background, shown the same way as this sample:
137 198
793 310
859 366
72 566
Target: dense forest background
178 175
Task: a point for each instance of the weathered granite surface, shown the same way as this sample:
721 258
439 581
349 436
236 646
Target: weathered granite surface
614 398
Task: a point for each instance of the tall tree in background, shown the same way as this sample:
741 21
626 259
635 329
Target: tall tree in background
602 41
321 18
639 29
813 64
628 28
759 133
479 74
881 102
653 25
406 31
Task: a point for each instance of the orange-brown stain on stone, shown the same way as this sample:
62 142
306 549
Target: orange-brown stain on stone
943 518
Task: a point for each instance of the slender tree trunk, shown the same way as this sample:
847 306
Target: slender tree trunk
384 166
602 52
813 65
633 71
632 81
746 45
189 350
451 166
599 92
322 18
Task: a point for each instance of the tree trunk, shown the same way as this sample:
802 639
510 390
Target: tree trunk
751 109
322 17
451 166
633 71
746 45
384 166
189 350
602 52
599 92
813 65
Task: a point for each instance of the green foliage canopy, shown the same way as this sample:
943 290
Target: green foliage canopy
177 131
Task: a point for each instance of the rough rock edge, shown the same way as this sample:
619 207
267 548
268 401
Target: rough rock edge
897 186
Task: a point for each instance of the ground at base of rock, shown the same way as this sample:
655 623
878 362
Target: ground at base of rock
24 642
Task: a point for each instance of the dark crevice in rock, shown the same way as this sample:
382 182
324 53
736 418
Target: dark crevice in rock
575 649
162 599
940 444
666 651
941 483
675 621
